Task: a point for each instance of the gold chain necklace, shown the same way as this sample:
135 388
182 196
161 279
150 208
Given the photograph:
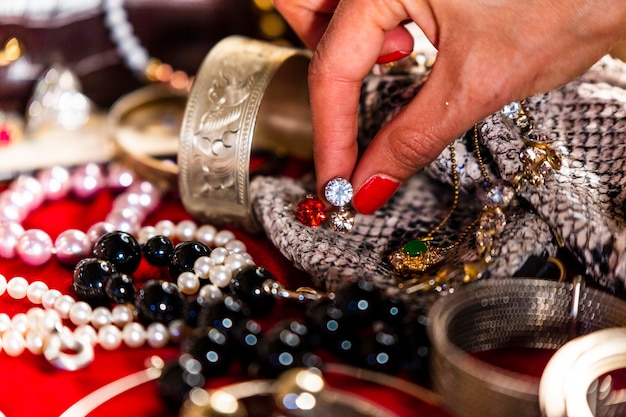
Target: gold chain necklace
417 260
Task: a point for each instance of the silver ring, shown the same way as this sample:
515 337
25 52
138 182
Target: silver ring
61 340
507 313
248 95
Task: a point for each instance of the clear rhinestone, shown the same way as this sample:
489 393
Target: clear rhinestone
500 196
342 220
524 123
338 192
512 110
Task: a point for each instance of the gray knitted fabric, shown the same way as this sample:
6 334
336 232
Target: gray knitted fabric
583 202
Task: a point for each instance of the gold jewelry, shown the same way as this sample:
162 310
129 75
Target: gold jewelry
248 95
417 259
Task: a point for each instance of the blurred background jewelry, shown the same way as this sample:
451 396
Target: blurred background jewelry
248 96
144 127
134 54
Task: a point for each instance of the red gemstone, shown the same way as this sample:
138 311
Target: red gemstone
311 211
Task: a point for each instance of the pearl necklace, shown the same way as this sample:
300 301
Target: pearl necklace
27 193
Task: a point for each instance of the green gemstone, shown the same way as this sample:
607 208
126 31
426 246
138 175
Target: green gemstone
415 248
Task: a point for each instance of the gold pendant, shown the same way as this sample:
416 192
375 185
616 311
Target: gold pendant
415 257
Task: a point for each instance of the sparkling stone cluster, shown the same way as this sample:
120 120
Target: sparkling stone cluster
538 159
312 211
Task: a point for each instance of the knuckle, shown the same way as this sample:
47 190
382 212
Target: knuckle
414 150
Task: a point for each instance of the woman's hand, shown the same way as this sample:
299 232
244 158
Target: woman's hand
490 52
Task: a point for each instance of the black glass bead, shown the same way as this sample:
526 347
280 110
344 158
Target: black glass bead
286 346
192 308
185 255
247 283
381 351
159 301
120 289
223 314
158 250
359 301
178 378
246 336
416 351
326 321
393 311
90 278
119 248
211 347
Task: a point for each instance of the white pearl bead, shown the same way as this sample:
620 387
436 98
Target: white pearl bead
49 321
188 283
98 230
3 284
126 221
134 335
87 332
101 316
71 246
223 237
234 261
210 293
218 255
17 288
55 182
80 313
150 195
48 298
13 343
34 342
31 190
157 335
63 304
220 276
35 291
9 233
19 323
110 337
176 330
165 228
87 180
206 234
34 247
145 233
118 176
35 315
122 314
5 322
236 246
186 229
202 266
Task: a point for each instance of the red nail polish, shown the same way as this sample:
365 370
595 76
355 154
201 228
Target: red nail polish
374 193
391 57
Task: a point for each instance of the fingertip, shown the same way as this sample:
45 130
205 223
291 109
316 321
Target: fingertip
374 193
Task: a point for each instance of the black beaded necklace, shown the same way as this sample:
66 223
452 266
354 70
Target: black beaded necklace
355 324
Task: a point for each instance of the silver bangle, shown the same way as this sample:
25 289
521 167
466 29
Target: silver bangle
508 313
248 95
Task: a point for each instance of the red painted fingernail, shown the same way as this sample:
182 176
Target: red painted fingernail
393 56
374 193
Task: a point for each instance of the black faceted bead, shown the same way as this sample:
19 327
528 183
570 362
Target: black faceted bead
223 314
359 301
158 250
382 350
211 347
287 346
393 311
247 283
90 279
159 301
121 249
178 378
185 255
120 289
326 321
246 337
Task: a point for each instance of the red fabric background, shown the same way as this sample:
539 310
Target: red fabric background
31 386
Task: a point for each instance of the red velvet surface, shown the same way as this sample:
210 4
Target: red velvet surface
29 386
